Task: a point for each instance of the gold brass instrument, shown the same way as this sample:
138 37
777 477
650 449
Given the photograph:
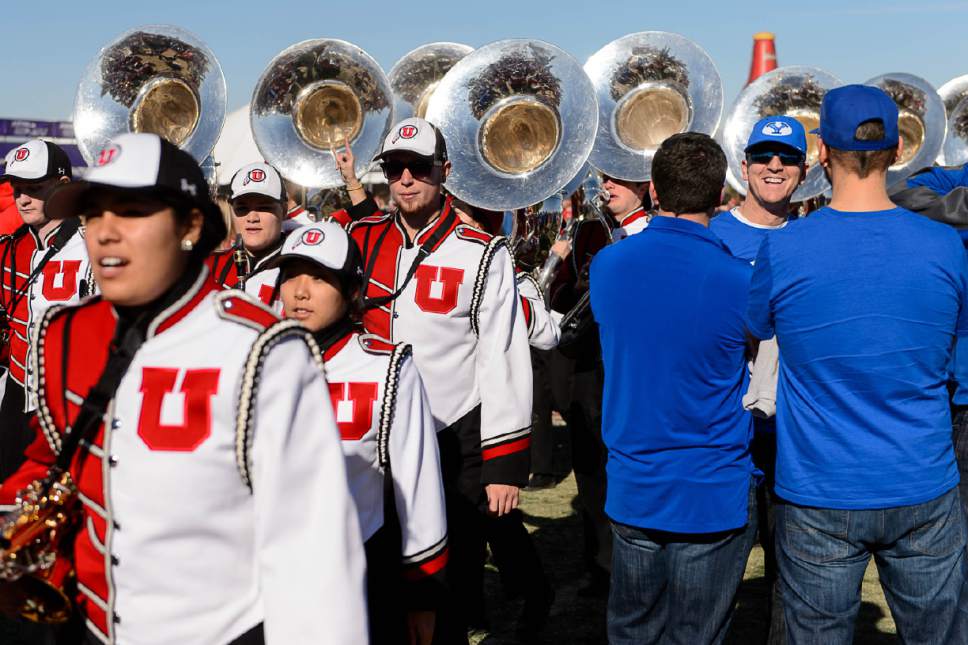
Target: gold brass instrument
158 79
519 119
795 91
921 122
415 76
954 93
35 539
310 97
650 85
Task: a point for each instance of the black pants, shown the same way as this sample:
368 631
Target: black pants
542 432
764 457
383 591
15 432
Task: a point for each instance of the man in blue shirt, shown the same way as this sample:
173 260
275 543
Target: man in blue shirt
866 300
674 349
774 167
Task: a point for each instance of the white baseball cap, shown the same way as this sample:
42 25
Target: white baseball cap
416 136
35 160
258 178
323 243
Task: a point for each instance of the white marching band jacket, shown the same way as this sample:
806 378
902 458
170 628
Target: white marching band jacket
635 222
214 495
385 423
543 329
461 313
259 281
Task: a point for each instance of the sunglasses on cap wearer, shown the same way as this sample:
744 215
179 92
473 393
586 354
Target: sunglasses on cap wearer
420 169
787 157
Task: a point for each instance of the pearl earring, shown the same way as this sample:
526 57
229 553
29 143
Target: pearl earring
187 245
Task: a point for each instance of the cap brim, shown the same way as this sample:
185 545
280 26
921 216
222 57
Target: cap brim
63 201
383 155
775 143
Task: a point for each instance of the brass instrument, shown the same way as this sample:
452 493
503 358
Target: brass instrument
310 97
35 539
415 76
158 79
954 93
921 122
795 91
650 85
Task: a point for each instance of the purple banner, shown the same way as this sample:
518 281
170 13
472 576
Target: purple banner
26 129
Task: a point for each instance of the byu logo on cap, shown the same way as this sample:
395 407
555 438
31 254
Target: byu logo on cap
777 129
256 175
21 154
312 237
108 155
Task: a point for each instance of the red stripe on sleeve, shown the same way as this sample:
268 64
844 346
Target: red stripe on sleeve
506 449
428 568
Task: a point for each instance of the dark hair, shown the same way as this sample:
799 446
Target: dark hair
688 172
863 162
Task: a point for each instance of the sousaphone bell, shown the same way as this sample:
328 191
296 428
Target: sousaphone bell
519 118
650 85
795 91
159 79
414 77
311 96
953 94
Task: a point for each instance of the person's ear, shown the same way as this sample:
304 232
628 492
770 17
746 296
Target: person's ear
193 228
823 153
804 167
652 194
445 171
745 171
900 149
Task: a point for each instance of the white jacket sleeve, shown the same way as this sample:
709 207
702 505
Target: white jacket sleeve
417 487
310 553
543 330
503 363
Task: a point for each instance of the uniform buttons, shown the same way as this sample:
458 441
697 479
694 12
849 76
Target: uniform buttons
115 424
117 526
113 461
396 315
115 561
116 619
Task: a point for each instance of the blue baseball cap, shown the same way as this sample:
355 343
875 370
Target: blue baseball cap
845 108
784 130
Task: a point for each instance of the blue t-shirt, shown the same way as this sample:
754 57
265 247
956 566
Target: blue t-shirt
865 307
742 238
940 180
670 303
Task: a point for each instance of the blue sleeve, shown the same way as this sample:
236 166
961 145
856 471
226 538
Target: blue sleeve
759 312
959 359
940 180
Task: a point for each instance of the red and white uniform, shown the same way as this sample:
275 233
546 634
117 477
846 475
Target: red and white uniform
634 222
543 329
259 281
214 494
462 315
64 279
385 422
297 218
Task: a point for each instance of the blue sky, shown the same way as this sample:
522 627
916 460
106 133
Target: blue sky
45 46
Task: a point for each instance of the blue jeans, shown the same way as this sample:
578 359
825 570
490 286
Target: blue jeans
673 588
920 555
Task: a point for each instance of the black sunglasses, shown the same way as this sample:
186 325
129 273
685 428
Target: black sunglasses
421 169
766 156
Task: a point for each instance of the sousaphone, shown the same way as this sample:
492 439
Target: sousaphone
795 91
650 85
414 77
954 93
311 96
159 79
519 118
921 122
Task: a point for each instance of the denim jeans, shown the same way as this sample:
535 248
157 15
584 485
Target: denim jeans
920 555
959 437
674 588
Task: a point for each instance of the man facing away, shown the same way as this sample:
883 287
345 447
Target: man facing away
679 471
866 300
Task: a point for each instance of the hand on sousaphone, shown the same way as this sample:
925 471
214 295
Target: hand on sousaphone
345 165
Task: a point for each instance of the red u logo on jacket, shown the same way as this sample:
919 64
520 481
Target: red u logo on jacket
450 279
197 387
355 402
60 279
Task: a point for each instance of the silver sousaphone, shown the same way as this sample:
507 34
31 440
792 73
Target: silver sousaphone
921 122
650 85
519 118
159 79
311 96
795 91
954 93
414 77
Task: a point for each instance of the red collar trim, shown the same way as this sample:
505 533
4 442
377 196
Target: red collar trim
634 216
204 284
295 212
335 348
423 235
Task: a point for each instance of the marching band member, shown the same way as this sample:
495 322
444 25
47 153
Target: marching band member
258 200
448 289
181 393
389 439
627 203
44 262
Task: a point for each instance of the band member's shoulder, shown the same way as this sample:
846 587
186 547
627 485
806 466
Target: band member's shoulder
470 234
372 220
377 346
239 307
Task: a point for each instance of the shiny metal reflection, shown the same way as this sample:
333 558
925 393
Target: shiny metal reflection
415 77
954 94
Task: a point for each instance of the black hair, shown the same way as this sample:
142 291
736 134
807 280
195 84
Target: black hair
688 172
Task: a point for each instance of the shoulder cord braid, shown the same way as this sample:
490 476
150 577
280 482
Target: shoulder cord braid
400 353
44 415
250 385
481 281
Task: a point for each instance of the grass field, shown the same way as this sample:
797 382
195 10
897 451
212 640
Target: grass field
551 517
